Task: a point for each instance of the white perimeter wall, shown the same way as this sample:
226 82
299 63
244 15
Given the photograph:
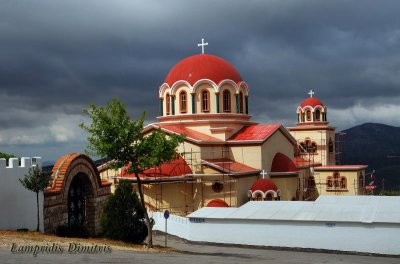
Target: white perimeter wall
357 237
17 204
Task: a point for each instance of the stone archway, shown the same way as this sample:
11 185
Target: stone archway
76 194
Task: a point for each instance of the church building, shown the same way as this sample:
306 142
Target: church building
227 158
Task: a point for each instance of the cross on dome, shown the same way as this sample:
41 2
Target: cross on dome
311 93
202 44
263 173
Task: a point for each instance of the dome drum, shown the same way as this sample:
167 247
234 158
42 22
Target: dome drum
203 84
311 110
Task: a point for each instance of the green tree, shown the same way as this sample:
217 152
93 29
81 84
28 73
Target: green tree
36 181
123 216
6 156
112 134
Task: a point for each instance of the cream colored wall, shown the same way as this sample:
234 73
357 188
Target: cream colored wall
276 143
205 128
176 197
109 175
249 155
287 186
192 154
352 183
243 186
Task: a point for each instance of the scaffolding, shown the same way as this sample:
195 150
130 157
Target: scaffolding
195 183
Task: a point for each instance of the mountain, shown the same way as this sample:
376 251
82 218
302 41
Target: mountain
376 145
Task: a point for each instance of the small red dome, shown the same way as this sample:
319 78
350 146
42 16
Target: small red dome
263 185
311 101
202 66
282 163
217 203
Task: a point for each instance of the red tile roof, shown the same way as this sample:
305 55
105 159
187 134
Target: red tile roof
217 203
282 163
177 167
190 133
300 162
255 132
229 166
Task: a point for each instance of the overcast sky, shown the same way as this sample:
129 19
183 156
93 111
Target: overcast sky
56 57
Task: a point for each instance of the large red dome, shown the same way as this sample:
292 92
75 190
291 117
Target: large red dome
202 66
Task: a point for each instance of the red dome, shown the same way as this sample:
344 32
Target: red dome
311 101
264 185
202 66
282 163
217 203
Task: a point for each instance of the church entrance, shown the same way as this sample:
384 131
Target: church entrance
76 195
78 199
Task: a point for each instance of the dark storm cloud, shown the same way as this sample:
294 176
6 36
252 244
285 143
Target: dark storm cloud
56 57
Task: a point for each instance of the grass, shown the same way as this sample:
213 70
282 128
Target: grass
23 237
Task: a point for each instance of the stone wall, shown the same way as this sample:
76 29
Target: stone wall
56 197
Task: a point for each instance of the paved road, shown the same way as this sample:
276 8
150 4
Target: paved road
195 254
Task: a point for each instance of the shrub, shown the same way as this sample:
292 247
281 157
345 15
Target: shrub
72 230
123 217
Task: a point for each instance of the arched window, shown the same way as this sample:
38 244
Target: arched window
317 115
308 146
343 182
336 180
308 114
241 103
330 145
259 197
329 183
226 101
168 104
183 101
205 101
269 197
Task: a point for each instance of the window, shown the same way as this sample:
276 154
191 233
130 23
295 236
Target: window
337 182
241 103
259 197
308 146
308 113
343 183
227 101
269 197
329 183
317 115
168 104
183 101
330 145
205 101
